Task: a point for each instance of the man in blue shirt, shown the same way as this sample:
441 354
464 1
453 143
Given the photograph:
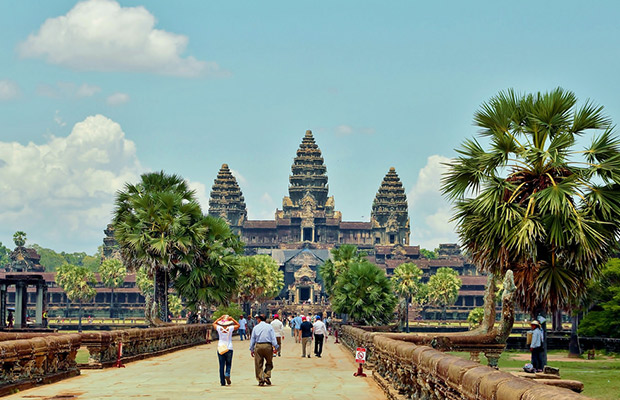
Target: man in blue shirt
263 345
242 324
536 347
295 325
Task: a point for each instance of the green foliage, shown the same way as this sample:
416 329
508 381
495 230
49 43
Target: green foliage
19 238
144 282
77 282
4 255
343 257
605 294
232 309
430 254
406 280
92 262
214 279
51 260
365 294
112 273
475 317
260 278
443 287
175 305
530 201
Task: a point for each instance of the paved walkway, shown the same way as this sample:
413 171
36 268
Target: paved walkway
193 374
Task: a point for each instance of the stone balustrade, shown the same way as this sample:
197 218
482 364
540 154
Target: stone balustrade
28 359
406 370
139 343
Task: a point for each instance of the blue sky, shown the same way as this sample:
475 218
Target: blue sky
94 93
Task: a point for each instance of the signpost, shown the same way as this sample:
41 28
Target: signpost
360 359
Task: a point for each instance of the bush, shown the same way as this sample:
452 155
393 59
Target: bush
475 317
233 310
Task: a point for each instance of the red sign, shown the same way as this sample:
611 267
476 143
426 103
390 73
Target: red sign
360 355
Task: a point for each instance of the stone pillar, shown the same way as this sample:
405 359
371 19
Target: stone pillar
3 288
21 304
40 299
297 296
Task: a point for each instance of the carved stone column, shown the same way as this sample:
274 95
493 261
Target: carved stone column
40 298
21 304
3 288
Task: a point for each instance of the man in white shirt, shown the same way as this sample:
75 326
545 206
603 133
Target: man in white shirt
320 332
278 328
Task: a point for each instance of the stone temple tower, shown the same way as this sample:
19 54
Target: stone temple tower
390 214
227 201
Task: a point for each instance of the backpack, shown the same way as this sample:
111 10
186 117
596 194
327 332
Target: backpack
529 368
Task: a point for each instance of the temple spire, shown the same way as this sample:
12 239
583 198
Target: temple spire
390 213
309 174
227 201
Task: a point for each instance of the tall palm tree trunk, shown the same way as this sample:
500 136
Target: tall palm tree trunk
161 294
112 303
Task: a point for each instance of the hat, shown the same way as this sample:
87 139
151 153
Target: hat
534 322
303 318
318 317
276 316
226 321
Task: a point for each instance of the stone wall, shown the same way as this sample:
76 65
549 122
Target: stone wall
406 370
140 343
29 359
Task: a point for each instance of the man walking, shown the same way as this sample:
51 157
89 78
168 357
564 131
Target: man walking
320 332
306 335
278 328
263 345
536 347
295 324
242 324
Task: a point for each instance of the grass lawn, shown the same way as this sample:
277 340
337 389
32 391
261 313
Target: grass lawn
82 356
601 377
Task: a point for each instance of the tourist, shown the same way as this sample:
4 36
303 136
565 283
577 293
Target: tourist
295 324
536 347
306 335
263 345
320 332
242 324
225 326
10 319
278 328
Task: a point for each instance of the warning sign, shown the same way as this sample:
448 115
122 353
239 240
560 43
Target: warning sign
360 355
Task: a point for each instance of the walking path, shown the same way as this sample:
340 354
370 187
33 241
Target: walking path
193 374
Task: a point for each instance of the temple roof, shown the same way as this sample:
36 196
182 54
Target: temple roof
390 200
226 198
309 173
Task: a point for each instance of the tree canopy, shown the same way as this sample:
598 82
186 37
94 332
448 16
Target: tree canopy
604 293
343 257
528 200
443 288
260 278
78 284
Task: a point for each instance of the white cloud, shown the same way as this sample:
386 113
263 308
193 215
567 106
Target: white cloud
67 90
346 130
8 90
201 194
101 35
240 178
430 212
61 192
117 99
58 119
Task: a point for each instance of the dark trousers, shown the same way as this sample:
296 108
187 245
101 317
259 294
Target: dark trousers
225 365
537 358
318 345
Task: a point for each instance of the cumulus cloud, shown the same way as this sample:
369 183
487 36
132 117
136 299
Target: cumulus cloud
67 90
61 192
346 130
101 35
8 90
117 99
430 212
240 178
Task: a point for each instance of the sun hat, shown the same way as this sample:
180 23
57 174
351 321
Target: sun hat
226 321
534 322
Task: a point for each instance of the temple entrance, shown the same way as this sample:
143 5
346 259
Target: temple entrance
307 234
304 294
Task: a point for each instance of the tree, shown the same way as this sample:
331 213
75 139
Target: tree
365 294
343 257
19 238
407 280
232 309
475 317
531 203
4 255
214 278
443 288
260 279
158 224
175 305
112 273
603 319
77 283
430 254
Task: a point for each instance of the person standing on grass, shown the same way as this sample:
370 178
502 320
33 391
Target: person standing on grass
263 345
225 326
242 324
306 336
278 328
536 347
320 332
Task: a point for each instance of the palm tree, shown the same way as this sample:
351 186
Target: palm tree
443 288
159 225
343 256
213 280
260 279
113 274
78 284
406 280
530 202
